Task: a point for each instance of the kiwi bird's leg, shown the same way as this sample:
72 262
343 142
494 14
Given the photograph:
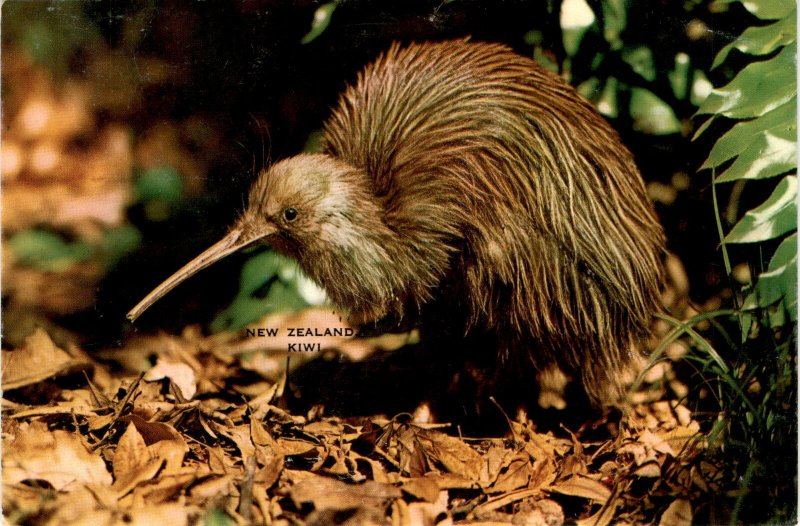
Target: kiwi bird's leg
235 240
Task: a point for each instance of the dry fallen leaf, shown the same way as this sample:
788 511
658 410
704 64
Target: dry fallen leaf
679 513
422 488
495 459
434 513
648 469
516 475
584 487
327 493
180 374
421 450
456 456
173 514
58 457
637 452
38 359
682 437
133 463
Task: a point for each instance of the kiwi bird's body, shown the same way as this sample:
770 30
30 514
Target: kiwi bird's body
463 174
491 169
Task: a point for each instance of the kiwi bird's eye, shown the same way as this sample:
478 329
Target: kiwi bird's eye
290 214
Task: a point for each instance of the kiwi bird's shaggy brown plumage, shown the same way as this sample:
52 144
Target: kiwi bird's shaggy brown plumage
468 166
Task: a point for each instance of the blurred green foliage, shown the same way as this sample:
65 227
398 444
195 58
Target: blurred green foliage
650 114
160 190
159 184
119 241
320 22
269 282
47 250
619 74
39 28
217 517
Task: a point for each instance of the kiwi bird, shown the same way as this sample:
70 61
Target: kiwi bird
464 174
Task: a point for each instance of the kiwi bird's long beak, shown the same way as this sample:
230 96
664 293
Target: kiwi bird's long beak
235 240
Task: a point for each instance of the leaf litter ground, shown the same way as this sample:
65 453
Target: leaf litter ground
199 438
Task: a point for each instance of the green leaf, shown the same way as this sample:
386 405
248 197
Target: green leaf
572 39
771 152
590 88
615 18
218 517
651 114
703 127
640 59
545 59
679 76
739 137
777 316
757 89
47 250
314 142
159 184
49 32
607 103
533 37
762 40
779 281
766 9
575 18
119 241
701 88
263 266
773 218
320 22
269 282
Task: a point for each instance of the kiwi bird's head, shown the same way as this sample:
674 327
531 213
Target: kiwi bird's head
307 206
